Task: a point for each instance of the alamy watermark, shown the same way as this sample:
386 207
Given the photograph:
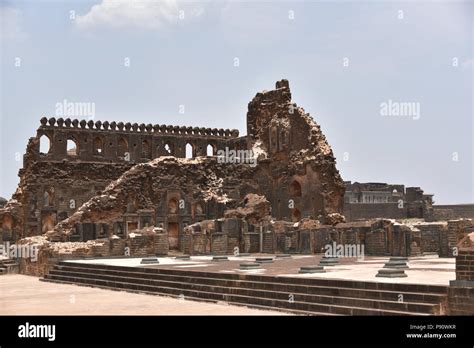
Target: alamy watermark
236 156
400 109
344 250
14 251
75 109
28 330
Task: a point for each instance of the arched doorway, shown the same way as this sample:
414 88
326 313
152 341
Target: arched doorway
295 189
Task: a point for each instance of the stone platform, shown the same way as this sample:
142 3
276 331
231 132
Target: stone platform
430 270
277 285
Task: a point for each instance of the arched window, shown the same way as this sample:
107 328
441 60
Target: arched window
295 189
189 151
169 149
122 147
72 149
146 149
98 146
198 210
210 150
48 197
45 144
173 206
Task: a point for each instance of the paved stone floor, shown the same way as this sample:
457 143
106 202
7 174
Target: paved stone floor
429 269
25 295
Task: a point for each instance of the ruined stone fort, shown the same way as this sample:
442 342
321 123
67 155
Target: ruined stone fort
121 186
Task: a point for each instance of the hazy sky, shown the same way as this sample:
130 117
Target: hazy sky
138 61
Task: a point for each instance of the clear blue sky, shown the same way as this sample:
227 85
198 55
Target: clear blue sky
399 51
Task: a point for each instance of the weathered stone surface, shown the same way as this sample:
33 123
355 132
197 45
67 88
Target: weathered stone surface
183 257
396 264
289 201
329 261
249 265
312 269
264 260
335 218
391 273
295 175
149 260
254 208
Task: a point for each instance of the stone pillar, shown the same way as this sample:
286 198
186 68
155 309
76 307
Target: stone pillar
461 290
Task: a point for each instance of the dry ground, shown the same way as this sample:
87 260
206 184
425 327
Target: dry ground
25 295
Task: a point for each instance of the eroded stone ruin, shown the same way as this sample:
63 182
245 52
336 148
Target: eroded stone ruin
130 187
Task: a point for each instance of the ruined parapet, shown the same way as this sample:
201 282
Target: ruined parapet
80 158
118 141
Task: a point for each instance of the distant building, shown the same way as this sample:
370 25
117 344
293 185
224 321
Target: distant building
382 200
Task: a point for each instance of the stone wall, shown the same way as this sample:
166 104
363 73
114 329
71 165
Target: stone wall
460 300
465 265
114 170
147 244
431 236
141 243
219 243
364 211
375 243
453 211
461 291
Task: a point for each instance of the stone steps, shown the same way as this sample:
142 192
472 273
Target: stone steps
230 298
188 297
316 296
9 266
278 295
377 287
269 284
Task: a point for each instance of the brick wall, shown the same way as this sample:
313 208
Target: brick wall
219 243
375 243
430 241
465 265
461 291
117 246
161 244
460 300
359 211
322 237
446 212
286 242
268 242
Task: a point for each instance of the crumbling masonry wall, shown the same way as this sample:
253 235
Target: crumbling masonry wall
120 177
54 183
